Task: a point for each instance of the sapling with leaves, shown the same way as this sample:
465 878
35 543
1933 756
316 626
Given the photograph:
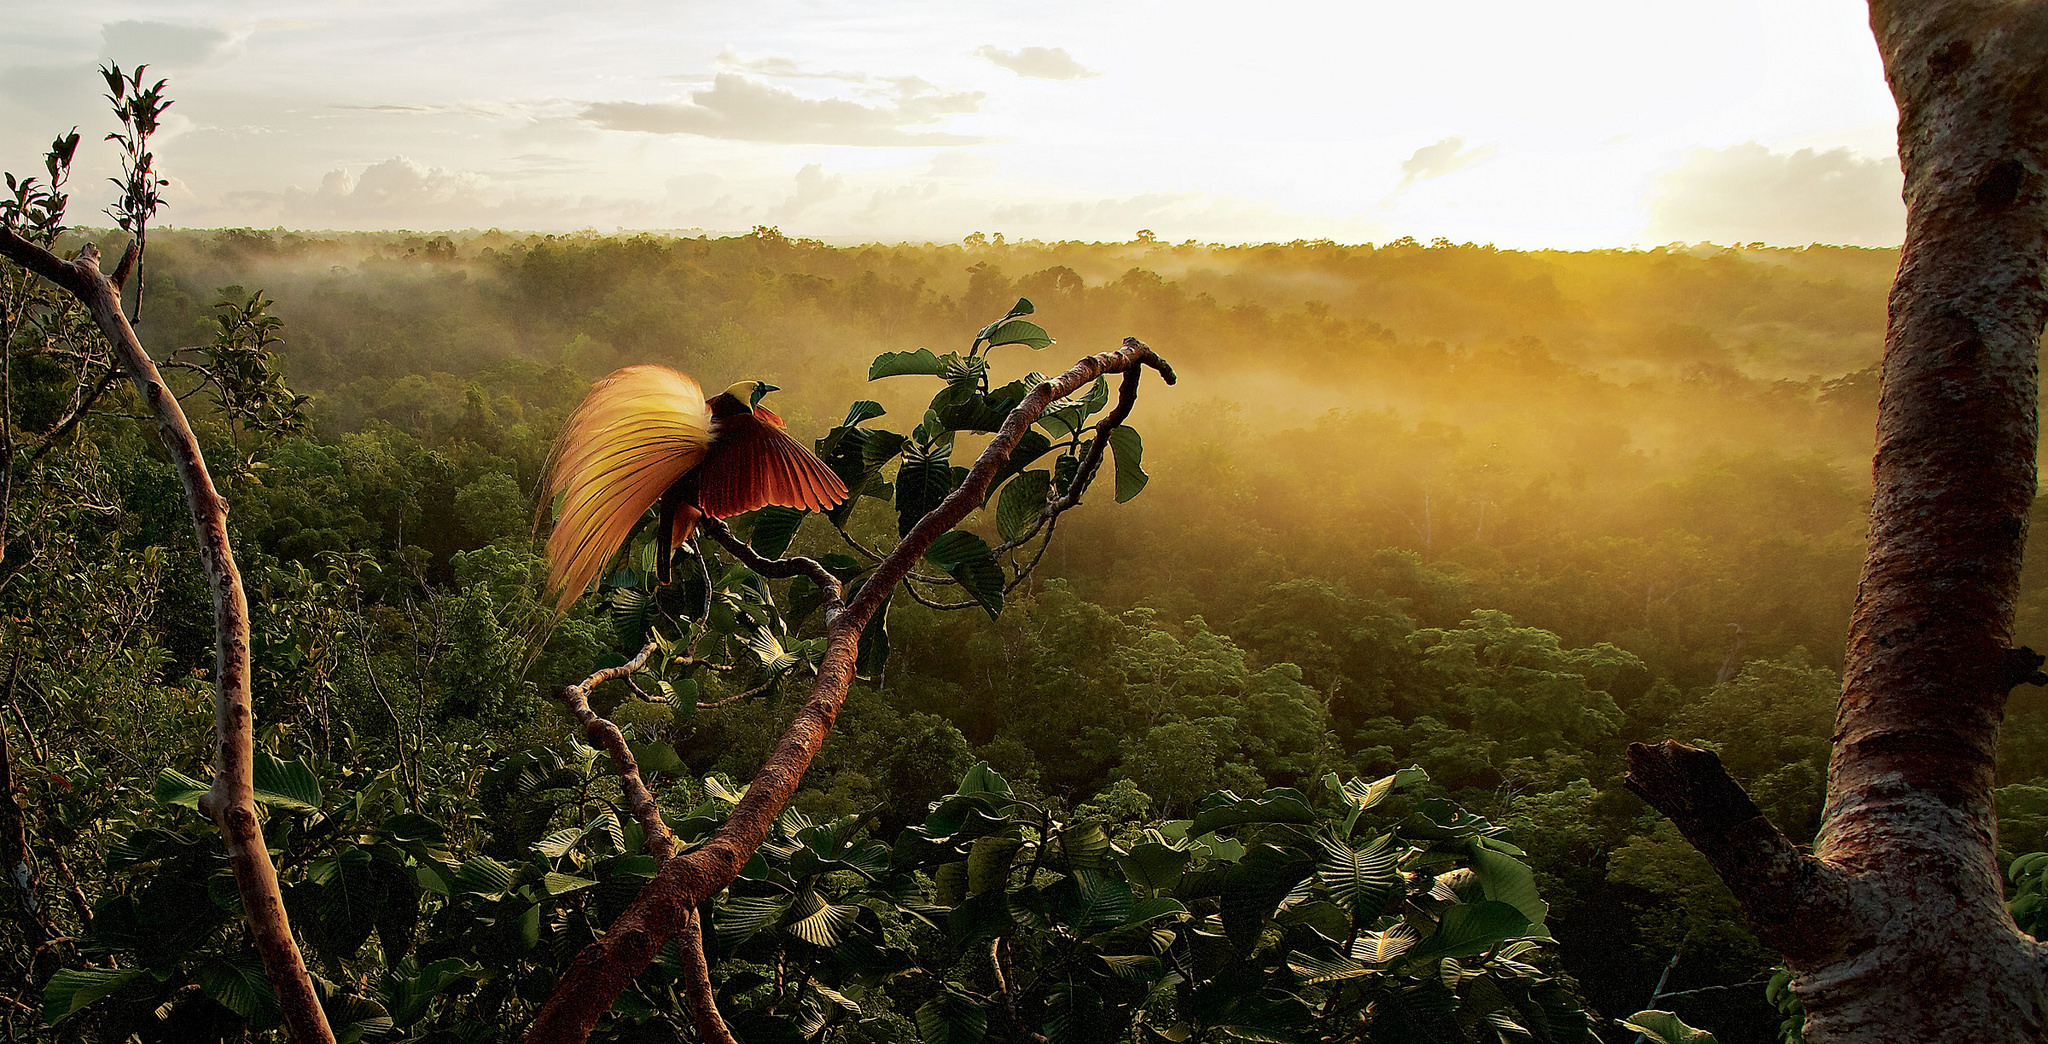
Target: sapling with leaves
29 229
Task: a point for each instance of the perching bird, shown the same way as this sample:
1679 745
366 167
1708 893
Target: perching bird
645 435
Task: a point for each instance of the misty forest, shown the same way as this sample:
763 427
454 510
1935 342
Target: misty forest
1200 642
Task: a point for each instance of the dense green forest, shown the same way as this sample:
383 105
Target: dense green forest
1492 514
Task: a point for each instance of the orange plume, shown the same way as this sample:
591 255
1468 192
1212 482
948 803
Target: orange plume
638 431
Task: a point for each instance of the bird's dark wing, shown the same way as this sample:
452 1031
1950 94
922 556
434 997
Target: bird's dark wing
753 463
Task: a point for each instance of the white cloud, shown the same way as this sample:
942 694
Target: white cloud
168 44
1448 156
741 109
1038 63
813 186
1748 193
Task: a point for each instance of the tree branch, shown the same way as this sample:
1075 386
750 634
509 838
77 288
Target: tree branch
666 906
777 568
603 734
1776 882
231 801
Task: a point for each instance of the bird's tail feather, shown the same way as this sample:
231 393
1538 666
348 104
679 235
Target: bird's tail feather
637 432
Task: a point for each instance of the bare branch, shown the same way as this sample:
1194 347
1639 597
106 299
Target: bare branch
661 844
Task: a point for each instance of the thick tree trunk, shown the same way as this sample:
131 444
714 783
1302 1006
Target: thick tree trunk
1895 924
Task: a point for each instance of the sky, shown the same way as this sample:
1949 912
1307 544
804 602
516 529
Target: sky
1572 124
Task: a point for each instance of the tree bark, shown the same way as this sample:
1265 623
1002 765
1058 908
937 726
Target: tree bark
232 800
1895 925
668 904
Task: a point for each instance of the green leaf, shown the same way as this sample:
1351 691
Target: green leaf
240 988
862 410
1129 451
825 925
1018 331
562 884
1253 888
989 860
71 989
921 484
1021 503
658 757
1361 879
1097 397
176 788
1472 928
899 364
484 874
873 652
980 779
968 559
952 1018
286 784
1085 845
774 527
1154 866
1508 880
1031 446
1663 1027
1223 809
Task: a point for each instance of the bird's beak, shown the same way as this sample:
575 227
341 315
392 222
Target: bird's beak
761 391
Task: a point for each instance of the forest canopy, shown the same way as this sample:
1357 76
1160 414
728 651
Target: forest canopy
1485 513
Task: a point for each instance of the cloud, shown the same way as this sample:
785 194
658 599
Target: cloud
1747 193
1038 63
741 109
168 43
787 68
813 186
1448 156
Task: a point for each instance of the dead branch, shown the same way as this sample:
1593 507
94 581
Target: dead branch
231 801
667 905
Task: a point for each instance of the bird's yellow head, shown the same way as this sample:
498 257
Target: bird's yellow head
750 392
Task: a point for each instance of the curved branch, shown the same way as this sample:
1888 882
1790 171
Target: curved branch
603 734
667 905
231 802
778 568
1778 884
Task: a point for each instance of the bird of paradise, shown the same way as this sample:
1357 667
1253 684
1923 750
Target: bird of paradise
645 436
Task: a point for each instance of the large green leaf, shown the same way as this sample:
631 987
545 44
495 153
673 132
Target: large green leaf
1018 331
968 559
176 788
774 527
1472 928
1508 880
1254 887
989 860
286 784
1362 879
1663 1027
1022 501
1223 809
1129 450
1154 866
952 1018
71 989
872 654
898 364
922 482
239 987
